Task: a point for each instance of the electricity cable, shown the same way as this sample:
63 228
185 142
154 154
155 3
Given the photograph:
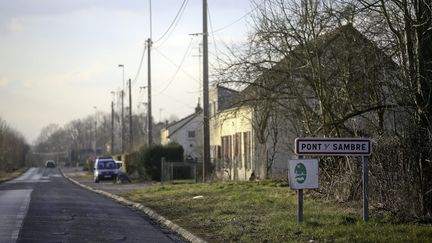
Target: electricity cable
174 64
179 66
174 23
214 39
140 65
238 20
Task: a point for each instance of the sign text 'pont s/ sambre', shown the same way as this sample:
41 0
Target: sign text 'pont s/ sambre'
333 146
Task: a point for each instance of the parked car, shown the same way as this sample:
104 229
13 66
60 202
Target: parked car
50 164
105 168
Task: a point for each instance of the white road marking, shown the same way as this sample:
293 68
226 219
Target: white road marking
13 209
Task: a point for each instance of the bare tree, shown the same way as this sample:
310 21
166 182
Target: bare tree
13 148
409 23
304 60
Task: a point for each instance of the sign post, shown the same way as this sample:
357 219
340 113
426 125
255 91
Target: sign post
300 206
300 203
365 178
340 147
303 174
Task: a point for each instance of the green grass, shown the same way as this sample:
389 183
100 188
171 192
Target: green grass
9 176
267 212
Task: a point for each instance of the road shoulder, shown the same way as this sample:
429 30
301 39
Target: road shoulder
150 212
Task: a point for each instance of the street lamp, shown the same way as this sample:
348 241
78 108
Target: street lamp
122 111
95 133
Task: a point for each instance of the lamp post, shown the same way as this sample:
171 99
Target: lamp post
122 111
95 132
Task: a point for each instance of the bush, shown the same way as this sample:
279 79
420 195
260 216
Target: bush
147 162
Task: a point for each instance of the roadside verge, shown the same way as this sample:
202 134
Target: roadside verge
150 212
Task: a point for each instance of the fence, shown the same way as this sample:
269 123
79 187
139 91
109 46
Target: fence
184 171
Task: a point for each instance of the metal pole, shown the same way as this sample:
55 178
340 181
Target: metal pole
122 112
149 102
300 206
130 117
112 127
206 125
300 203
365 188
95 133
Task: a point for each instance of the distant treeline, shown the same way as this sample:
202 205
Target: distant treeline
13 148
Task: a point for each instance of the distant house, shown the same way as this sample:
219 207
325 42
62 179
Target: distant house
187 132
241 149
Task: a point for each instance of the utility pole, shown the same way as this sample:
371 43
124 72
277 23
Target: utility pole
149 102
122 114
130 117
112 123
206 126
95 132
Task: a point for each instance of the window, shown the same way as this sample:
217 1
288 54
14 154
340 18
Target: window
191 134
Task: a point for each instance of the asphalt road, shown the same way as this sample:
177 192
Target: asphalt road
42 206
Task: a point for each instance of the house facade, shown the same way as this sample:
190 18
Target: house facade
256 139
232 143
187 132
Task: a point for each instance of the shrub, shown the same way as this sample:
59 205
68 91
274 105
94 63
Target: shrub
147 162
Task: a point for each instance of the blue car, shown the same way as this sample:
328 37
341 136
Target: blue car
105 168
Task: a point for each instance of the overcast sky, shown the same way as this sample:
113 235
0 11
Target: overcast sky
59 58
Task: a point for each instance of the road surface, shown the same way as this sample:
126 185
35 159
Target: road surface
42 206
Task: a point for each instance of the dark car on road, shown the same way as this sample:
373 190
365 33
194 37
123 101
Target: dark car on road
50 164
105 168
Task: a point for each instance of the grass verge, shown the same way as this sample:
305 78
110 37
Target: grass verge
9 176
267 212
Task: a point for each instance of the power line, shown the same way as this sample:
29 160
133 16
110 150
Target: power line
236 21
174 23
140 65
174 64
214 40
179 66
179 101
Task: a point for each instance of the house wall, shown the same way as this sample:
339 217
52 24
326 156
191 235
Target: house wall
219 99
232 144
188 134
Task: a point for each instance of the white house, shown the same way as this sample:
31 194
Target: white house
187 132
253 131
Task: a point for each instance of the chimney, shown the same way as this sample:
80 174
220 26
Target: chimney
198 109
